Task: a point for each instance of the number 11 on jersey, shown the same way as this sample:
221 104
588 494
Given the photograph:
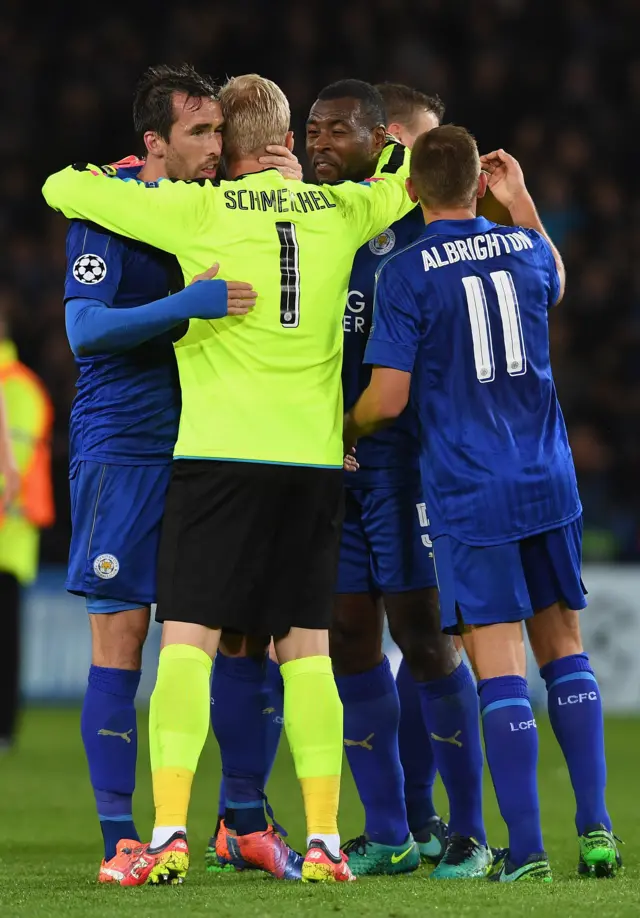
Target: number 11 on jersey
481 327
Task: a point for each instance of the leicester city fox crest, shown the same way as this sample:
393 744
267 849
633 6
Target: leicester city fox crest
383 243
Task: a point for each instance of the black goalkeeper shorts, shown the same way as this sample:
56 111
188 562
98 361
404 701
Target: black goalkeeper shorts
250 547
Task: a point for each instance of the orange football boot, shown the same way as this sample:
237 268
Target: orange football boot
266 851
218 858
168 864
320 866
113 870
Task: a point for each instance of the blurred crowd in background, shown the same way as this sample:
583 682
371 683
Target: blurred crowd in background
555 83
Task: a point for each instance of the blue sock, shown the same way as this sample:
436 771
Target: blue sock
371 716
222 794
511 743
273 719
575 712
110 737
274 714
450 710
416 754
237 703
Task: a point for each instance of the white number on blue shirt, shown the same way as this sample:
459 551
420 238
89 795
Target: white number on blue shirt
289 275
481 328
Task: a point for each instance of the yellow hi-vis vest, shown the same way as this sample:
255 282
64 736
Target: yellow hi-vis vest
30 419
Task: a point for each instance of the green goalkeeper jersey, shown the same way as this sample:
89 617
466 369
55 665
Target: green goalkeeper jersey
264 387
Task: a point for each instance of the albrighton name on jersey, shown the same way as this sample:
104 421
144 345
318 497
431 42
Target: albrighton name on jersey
263 387
477 248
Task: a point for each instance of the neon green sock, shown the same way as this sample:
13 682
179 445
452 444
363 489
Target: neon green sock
313 721
178 728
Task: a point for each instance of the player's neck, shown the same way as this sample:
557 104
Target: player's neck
152 171
448 213
245 166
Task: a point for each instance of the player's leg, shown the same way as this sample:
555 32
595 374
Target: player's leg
108 722
419 767
270 697
449 704
273 712
244 839
371 715
178 727
116 514
371 708
485 589
371 721
314 726
511 743
242 720
299 614
179 709
552 566
403 566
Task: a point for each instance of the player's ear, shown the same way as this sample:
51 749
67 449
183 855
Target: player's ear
413 197
483 182
395 130
288 141
379 137
154 144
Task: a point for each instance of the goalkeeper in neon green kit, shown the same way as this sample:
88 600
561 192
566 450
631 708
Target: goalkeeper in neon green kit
250 539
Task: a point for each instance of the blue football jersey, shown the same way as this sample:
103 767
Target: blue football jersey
127 406
384 458
464 309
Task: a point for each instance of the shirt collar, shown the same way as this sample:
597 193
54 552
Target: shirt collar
458 227
253 174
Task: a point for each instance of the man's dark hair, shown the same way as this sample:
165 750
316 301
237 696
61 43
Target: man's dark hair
402 103
153 98
371 102
445 167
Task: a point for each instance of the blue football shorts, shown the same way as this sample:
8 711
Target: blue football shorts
487 585
385 546
116 513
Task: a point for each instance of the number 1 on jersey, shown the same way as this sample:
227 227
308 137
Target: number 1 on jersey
289 275
481 327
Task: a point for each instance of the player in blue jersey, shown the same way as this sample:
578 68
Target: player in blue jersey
461 332
386 563
121 320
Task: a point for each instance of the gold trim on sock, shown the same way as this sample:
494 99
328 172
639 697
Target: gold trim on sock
171 794
321 796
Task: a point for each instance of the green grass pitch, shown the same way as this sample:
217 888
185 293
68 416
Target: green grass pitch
50 844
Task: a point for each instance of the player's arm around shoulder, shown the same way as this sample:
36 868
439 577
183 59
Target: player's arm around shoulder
94 328
506 182
371 206
393 343
397 324
164 214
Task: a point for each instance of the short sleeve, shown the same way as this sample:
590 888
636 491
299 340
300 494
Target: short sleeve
94 263
548 264
396 327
